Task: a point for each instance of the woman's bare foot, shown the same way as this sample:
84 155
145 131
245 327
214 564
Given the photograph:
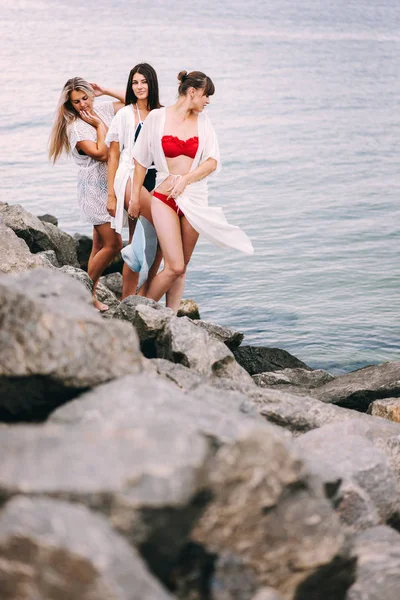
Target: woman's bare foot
99 305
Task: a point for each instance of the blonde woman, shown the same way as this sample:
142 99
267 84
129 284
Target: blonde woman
80 128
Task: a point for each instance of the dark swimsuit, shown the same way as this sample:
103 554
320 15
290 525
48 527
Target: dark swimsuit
150 179
174 147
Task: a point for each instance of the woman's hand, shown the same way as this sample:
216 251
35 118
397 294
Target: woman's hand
90 118
178 186
111 205
134 208
98 89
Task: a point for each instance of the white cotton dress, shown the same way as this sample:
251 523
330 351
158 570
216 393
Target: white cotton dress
193 202
92 174
123 130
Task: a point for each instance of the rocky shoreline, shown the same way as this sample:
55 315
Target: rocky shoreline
147 456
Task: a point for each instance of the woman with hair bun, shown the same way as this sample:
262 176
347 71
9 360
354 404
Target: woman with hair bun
181 142
80 128
141 97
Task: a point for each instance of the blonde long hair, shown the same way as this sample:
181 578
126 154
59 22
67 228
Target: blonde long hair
65 114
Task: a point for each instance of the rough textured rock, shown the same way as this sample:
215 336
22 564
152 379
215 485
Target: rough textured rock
258 359
267 594
53 344
163 335
127 309
148 479
114 283
359 388
50 257
15 255
39 235
51 549
387 409
268 512
183 377
49 219
79 275
293 411
378 565
188 308
288 378
358 474
231 338
137 400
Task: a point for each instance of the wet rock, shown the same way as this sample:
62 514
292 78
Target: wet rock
53 344
49 219
359 388
258 359
52 549
39 235
15 255
377 551
293 377
356 473
231 338
268 512
188 308
114 283
387 409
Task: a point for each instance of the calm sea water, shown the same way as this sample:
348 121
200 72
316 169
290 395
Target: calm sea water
307 113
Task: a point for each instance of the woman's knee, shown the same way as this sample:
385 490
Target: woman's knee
114 245
176 268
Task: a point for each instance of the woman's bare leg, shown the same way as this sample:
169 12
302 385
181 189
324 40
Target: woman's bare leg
177 239
96 246
189 240
111 245
152 272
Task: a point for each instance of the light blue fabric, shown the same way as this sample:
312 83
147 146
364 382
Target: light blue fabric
139 255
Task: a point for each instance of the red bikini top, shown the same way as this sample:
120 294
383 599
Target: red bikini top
174 147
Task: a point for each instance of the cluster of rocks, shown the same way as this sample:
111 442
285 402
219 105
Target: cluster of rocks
147 456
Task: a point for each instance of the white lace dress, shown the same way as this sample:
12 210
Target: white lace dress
92 175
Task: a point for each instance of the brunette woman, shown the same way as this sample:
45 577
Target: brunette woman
181 142
142 96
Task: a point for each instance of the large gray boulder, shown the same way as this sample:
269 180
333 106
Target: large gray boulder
358 474
359 388
15 255
39 235
259 359
51 549
53 344
377 551
268 512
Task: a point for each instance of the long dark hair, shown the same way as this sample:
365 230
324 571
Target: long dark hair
153 100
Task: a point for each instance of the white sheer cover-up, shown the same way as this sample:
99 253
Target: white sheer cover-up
122 130
207 220
92 174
